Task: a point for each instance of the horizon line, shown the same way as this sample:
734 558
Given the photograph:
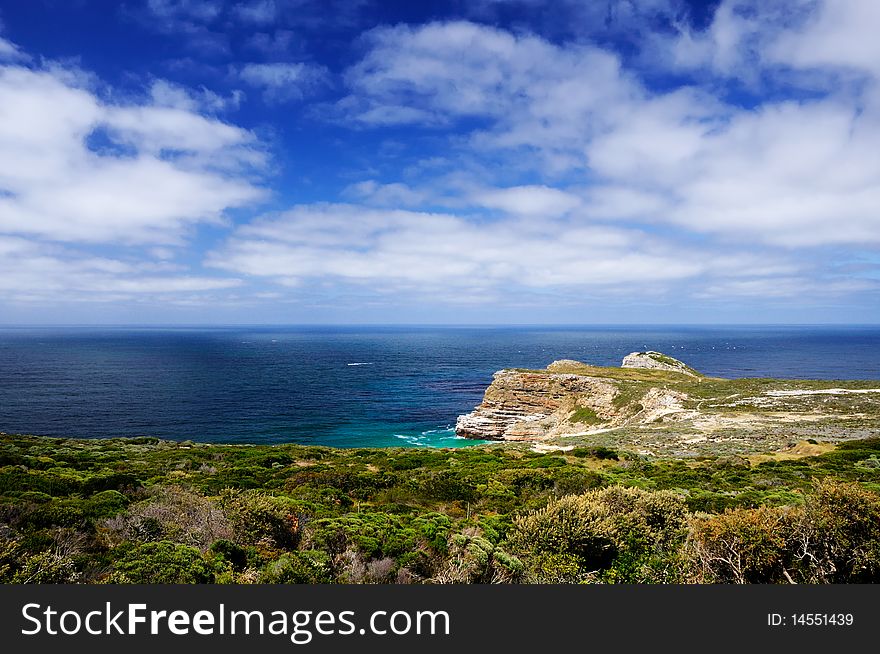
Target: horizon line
435 324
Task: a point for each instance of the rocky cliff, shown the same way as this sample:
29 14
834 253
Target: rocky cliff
657 361
656 404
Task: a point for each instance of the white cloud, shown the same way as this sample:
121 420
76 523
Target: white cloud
461 69
166 94
564 173
540 201
596 19
394 250
201 10
511 260
192 18
789 173
45 273
258 12
386 195
75 168
780 286
841 33
9 51
79 173
284 81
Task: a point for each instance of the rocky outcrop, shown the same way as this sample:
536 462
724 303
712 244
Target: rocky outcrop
569 396
656 404
657 361
522 405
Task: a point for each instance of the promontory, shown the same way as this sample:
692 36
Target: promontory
655 404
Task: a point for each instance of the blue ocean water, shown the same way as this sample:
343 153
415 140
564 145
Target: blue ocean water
350 386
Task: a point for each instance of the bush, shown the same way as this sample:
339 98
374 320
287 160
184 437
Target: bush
309 567
10 559
740 546
598 452
47 568
554 568
171 513
475 560
261 519
163 562
838 535
833 538
613 534
230 552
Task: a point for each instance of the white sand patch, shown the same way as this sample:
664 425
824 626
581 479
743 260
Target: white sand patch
824 391
541 448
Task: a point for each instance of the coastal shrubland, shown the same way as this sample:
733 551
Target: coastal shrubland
151 511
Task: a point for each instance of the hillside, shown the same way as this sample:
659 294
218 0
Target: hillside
657 405
151 511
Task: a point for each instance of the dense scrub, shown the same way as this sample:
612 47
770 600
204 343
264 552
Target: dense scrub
150 511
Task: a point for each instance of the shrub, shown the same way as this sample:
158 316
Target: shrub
740 546
577 481
585 415
261 519
475 560
615 534
10 559
162 562
230 552
598 452
554 568
309 567
446 486
170 513
838 534
47 568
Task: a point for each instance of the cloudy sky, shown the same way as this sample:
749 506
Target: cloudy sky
491 161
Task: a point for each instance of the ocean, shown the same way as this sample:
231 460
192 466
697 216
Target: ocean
351 386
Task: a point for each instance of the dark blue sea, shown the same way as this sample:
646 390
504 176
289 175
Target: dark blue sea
350 386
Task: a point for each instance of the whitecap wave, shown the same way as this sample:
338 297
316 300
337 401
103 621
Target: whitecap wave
433 438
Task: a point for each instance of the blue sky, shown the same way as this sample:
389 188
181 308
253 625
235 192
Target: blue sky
492 161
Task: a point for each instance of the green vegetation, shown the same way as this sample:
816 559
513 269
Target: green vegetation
150 511
585 415
621 374
670 414
669 361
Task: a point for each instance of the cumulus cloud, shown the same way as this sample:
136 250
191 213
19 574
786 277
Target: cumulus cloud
32 271
202 10
529 200
790 173
259 12
284 81
76 168
167 94
619 20
836 34
196 19
81 176
395 194
737 157
445 254
9 51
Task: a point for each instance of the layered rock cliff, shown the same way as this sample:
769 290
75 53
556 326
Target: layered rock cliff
654 403
526 405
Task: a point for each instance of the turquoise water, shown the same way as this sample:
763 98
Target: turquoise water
350 386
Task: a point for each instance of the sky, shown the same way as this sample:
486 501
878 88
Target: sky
491 161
